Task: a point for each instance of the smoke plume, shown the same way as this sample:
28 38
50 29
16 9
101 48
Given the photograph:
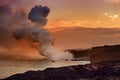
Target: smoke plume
10 21
39 34
22 39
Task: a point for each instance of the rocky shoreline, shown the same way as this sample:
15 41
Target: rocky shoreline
107 70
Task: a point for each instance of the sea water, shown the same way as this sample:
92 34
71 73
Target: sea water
10 67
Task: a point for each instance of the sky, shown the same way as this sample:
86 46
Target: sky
86 22
77 13
85 13
88 13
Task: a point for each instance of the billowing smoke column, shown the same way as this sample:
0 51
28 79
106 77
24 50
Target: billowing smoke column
38 34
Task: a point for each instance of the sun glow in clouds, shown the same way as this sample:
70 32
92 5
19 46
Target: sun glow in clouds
113 1
112 16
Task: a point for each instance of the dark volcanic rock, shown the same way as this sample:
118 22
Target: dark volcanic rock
80 53
98 54
100 71
104 53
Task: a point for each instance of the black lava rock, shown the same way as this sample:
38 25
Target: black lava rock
109 70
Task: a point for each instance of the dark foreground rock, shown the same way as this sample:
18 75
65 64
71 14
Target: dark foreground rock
109 70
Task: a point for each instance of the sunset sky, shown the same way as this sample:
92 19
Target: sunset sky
85 13
69 13
88 23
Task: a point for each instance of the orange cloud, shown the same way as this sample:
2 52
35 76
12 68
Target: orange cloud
91 23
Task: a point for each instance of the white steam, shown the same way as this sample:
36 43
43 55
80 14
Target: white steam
38 34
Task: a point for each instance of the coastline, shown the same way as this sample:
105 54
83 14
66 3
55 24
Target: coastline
107 70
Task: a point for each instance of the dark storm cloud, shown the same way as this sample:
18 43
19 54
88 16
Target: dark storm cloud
38 14
9 21
5 13
5 19
5 9
13 16
17 3
12 20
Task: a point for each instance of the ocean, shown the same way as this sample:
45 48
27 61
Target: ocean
10 67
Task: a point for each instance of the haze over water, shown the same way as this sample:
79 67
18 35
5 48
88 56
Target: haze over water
10 67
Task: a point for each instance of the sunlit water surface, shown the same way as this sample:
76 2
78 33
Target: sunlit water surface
9 67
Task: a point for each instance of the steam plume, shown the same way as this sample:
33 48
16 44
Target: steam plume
38 34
